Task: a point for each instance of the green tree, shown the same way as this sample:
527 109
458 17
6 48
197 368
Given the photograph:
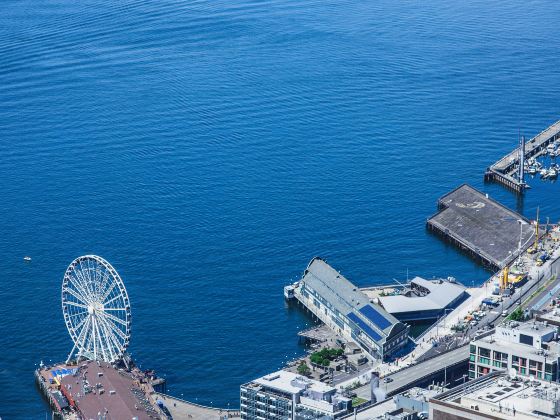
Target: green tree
303 369
516 315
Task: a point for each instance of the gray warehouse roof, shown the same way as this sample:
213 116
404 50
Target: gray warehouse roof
348 299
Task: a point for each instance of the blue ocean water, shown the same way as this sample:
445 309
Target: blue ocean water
210 149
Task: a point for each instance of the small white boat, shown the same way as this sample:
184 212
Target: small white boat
26 258
544 172
551 149
552 173
532 170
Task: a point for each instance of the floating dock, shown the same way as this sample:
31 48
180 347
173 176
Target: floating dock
482 227
505 170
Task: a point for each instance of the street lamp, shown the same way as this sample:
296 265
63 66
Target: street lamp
445 315
520 236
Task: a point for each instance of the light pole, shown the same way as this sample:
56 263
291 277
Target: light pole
445 315
520 236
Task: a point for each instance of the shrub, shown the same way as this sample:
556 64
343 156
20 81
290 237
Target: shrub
324 356
303 369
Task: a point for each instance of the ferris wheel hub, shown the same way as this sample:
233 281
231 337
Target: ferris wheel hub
95 307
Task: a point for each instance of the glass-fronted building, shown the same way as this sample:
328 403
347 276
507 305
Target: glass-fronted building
285 395
530 348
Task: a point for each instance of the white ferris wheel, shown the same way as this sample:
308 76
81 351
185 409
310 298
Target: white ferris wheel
96 309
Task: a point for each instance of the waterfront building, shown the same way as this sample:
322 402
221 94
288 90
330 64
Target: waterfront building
285 395
348 311
498 395
530 348
423 299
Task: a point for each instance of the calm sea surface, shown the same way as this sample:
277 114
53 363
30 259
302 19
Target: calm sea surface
210 149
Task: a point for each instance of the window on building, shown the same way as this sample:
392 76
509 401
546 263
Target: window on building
518 361
484 352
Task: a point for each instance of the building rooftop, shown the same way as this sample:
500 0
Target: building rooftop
481 224
526 337
292 383
531 327
412 400
348 299
440 294
309 395
501 396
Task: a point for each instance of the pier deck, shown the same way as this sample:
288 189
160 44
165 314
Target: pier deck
481 226
91 388
504 170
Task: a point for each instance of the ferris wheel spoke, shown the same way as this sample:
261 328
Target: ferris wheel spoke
86 277
110 345
108 292
80 282
76 294
91 277
114 318
112 341
77 313
81 340
76 281
102 282
82 322
100 340
116 330
79 305
95 280
111 300
105 283
93 338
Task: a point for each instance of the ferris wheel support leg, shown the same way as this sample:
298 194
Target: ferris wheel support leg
71 352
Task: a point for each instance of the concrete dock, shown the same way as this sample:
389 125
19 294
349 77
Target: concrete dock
482 227
504 170
181 409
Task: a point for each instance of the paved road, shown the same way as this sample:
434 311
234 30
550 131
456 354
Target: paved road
403 377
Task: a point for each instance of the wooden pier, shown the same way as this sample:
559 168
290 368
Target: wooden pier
504 170
481 227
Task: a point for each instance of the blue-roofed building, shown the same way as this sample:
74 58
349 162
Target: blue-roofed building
348 311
